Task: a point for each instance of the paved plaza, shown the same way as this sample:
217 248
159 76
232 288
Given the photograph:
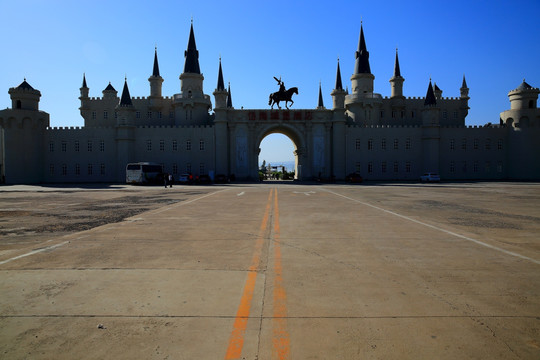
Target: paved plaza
271 271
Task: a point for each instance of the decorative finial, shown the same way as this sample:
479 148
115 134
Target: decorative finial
191 19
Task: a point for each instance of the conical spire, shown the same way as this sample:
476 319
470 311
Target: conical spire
84 81
229 97
220 83
192 55
464 83
339 85
125 100
320 104
397 72
155 72
430 96
362 56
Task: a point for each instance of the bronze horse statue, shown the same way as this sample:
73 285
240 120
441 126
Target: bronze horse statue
286 96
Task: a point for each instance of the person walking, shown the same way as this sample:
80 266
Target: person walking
171 180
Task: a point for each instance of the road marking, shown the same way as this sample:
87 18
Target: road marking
236 340
281 341
159 211
242 193
496 248
307 193
34 252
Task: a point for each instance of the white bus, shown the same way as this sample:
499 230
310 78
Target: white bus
144 173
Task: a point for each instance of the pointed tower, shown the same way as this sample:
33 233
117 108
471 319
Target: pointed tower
437 91
155 80
430 133
84 89
464 100
191 106
220 94
85 100
430 113
229 97
338 94
396 82
125 108
320 104
362 79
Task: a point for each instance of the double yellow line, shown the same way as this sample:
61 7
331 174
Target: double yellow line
280 334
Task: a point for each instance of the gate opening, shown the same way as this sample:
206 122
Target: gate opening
278 159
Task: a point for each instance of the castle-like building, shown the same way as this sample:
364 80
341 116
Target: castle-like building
381 138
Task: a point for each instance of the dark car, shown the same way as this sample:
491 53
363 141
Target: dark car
204 179
354 178
221 179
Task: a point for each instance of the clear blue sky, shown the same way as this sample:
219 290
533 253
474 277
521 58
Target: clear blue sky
52 43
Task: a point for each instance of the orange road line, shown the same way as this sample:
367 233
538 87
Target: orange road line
236 340
281 341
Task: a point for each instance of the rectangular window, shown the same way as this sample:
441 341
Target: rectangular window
402 114
396 166
188 145
382 114
171 114
475 144
159 115
77 169
89 146
201 169
396 144
105 114
175 169
452 167
51 169
412 114
408 144
500 144
201 145
174 145
89 169
383 167
148 145
464 144
408 166
102 169
445 114
138 114
77 146
488 144
102 145
383 144
358 167
393 114
357 144
455 114
64 146
452 144
93 115
149 114
370 144
161 145
64 169
370 167
51 146
188 168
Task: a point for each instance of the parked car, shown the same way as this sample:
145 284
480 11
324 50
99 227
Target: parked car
354 178
430 177
204 179
185 179
221 179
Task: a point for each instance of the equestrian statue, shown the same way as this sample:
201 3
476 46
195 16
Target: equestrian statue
282 95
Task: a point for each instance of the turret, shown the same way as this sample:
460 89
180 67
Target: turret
110 92
229 97
437 91
320 103
430 112
523 107
125 108
430 133
464 99
156 81
220 94
362 79
84 90
338 94
396 82
24 97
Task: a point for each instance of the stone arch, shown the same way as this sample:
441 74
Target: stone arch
294 134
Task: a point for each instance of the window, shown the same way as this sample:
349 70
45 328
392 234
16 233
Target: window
77 169
171 114
161 145
159 115
64 169
138 114
464 144
445 114
188 145
408 166
89 169
475 144
102 169
201 169
201 145
393 114
370 167
358 168
383 167
149 114
402 114
174 145
382 114
51 146
93 115
105 115
370 144
102 145
396 144
357 144
408 144
396 166
412 114
455 114
500 144
452 167
148 145
175 169
77 146
488 144
64 146
51 169
89 146
383 144
452 144
188 168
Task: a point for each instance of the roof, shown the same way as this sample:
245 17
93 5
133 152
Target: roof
339 85
397 72
524 86
24 85
362 56
84 82
229 97
125 100
109 87
192 55
220 84
320 104
430 96
155 71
